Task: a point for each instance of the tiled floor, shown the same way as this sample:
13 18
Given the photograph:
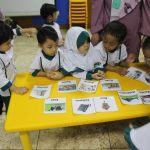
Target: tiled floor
103 136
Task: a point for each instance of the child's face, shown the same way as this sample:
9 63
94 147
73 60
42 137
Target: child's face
146 53
6 46
110 43
54 17
49 47
84 48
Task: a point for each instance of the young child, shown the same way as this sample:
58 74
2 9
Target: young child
80 58
146 50
50 14
7 67
111 50
47 62
138 138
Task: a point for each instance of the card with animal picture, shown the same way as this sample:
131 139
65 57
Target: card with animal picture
67 86
83 106
145 96
87 86
55 105
41 91
110 85
105 104
130 97
138 74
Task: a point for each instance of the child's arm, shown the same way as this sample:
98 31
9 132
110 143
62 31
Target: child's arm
18 90
5 84
117 69
124 63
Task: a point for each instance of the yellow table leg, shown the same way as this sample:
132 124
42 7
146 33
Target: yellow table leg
25 140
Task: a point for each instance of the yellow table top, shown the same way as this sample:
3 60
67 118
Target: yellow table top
27 113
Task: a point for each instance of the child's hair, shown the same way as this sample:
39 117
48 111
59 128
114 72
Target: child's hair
6 33
116 29
47 10
46 33
146 44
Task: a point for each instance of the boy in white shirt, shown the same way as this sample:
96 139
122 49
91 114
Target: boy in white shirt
111 50
48 61
50 14
7 67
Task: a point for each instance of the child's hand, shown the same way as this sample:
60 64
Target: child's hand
98 75
60 42
18 90
121 71
131 58
56 75
48 74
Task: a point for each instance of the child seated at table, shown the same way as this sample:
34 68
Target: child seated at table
80 57
7 67
47 62
50 14
111 50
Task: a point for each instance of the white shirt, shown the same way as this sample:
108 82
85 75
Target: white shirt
141 137
42 63
7 71
111 58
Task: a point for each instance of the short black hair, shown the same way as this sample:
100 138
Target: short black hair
46 33
47 10
6 33
146 44
116 29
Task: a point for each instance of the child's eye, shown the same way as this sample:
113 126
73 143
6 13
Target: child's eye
50 47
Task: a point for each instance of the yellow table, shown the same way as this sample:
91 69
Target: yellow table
26 114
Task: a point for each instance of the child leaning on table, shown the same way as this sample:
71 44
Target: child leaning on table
81 59
48 61
111 50
7 67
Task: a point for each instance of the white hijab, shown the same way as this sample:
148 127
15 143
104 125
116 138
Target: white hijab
73 58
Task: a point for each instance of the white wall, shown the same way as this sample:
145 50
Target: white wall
22 7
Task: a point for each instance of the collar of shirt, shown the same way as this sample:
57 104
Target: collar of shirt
47 56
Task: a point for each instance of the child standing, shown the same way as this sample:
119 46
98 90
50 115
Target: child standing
47 62
80 57
7 67
50 14
111 50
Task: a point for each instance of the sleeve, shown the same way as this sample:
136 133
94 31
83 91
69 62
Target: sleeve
123 52
145 18
4 82
99 58
35 67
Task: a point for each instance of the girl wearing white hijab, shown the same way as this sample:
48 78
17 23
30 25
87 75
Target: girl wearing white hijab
81 59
